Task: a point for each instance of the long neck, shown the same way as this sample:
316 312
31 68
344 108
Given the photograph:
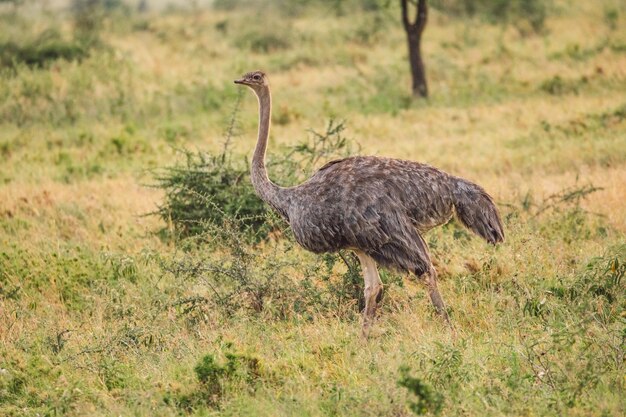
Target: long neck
266 189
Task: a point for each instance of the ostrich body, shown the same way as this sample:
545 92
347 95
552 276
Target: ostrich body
377 207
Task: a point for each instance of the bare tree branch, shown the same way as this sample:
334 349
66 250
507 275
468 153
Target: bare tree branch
414 37
405 14
421 16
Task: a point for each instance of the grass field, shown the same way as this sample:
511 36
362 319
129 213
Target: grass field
102 314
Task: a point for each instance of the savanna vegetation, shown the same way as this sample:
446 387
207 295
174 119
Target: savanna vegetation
140 276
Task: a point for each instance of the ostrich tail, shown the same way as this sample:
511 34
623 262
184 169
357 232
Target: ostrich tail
476 210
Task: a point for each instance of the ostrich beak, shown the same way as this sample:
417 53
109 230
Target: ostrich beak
240 81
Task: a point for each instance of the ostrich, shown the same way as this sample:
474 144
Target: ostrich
376 207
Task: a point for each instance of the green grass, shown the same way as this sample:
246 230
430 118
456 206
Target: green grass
102 312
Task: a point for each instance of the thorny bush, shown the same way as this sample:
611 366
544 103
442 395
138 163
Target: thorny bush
212 189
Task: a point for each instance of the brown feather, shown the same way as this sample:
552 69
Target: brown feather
380 206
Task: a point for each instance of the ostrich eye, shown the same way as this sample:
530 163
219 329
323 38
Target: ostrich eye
257 77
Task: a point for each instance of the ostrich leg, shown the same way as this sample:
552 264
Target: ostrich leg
373 290
423 254
435 296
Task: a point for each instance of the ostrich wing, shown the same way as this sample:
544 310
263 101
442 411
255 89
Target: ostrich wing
369 204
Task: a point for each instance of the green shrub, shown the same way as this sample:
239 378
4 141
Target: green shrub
299 7
242 279
114 374
264 40
47 47
559 86
585 314
349 287
611 17
427 400
209 373
89 17
299 161
208 190
215 379
599 290
518 13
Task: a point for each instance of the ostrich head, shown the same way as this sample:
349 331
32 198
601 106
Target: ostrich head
256 80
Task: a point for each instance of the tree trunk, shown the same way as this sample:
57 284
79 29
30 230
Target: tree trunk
414 37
